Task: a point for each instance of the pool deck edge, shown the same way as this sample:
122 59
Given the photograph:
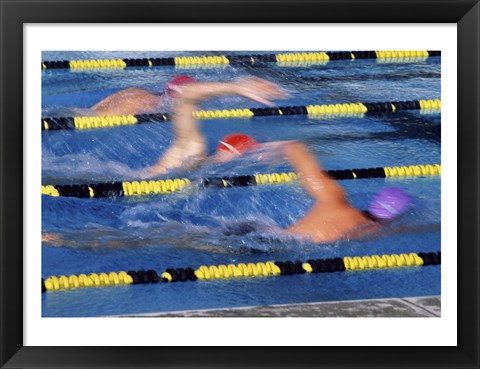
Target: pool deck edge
424 306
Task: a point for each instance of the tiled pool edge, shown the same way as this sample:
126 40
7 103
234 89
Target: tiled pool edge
425 306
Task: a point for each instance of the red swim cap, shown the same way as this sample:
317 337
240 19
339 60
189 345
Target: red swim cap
237 143
173 87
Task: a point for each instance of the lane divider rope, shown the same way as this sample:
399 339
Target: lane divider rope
252 60
242 270
164 186
88 122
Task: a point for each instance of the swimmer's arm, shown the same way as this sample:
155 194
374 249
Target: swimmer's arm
50 237
185 125
188 142
256 89
312 176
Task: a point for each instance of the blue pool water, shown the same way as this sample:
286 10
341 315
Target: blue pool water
188 229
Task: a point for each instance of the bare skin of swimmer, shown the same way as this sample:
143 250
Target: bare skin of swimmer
332 217
132 101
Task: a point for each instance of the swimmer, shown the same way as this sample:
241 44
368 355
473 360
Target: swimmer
136 100
188 148
332 218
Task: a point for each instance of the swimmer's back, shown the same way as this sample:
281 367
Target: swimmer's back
130 101
333 221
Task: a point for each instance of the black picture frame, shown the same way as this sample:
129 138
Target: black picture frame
14 14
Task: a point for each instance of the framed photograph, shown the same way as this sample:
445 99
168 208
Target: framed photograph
190 158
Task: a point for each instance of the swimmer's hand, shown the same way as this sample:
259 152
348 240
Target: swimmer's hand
260 90
50 237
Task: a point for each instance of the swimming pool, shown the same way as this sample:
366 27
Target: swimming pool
193 227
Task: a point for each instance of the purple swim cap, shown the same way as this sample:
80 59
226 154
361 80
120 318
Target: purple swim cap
389 202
